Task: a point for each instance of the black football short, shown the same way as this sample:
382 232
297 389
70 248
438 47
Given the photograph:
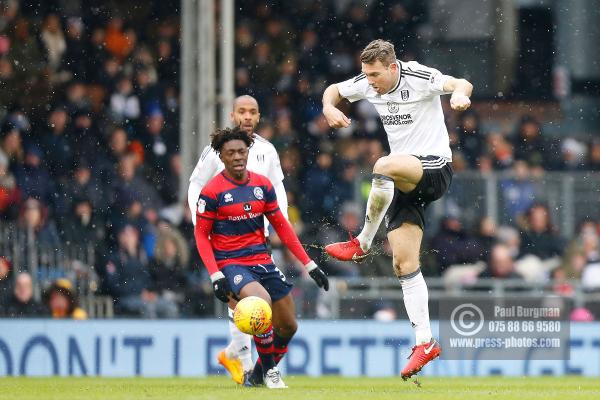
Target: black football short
410 207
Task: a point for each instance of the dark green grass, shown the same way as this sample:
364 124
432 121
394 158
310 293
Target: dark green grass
302 388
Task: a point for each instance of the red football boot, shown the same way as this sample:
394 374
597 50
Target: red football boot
346 251
420 356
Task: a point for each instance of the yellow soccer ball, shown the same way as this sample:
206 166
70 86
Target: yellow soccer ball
252 315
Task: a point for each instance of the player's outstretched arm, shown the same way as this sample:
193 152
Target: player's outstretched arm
335 118
290 239
461 91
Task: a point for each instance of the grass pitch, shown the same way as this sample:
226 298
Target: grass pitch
301 388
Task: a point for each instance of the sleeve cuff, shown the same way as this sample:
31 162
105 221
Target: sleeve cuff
215 276
310 266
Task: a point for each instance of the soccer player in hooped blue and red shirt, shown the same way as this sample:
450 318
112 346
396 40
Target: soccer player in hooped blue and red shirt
231 241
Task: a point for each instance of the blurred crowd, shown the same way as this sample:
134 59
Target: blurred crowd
89 151
89 155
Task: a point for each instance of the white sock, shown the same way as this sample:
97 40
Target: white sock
416 299
380 198
240 345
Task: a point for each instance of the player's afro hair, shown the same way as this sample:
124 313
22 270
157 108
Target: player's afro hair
222 136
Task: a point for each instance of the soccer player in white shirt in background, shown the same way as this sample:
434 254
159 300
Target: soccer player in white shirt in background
417 171
262 159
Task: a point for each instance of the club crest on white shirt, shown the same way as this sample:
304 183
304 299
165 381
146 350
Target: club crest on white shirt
228 198
404 94
258 193
393 107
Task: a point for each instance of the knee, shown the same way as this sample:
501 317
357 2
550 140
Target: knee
383 166
287 329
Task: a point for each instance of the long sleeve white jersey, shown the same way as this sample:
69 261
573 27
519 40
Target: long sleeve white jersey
262 159
411 112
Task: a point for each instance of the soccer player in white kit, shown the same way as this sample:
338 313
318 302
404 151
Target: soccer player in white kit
262 159
417 172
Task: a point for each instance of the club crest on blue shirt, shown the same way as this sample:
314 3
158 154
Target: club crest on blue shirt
247 207
258 193
393 107
404 94
228 198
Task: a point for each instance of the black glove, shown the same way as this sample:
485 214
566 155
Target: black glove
221 286
318 275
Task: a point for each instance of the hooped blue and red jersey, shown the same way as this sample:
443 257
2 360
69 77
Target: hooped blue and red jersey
237 210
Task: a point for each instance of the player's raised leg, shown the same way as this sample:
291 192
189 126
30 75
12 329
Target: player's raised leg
406 243
394 171
236 358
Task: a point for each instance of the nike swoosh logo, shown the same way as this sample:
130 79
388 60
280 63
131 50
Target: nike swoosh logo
428 350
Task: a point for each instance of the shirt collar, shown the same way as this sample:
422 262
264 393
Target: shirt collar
397 85
237 183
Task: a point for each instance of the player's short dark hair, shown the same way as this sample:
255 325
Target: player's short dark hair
379 50
222 136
